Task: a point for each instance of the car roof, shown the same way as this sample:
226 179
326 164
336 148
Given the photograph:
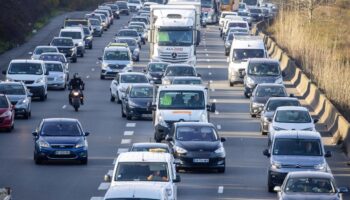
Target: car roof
26 61
53 53
283 99
181 87
180 65
310 174
138 85
126 29
11 83
60 120
295 134
292 108
67 38
187 78
72 29
126 38
257 60
194 124
45 46
132 73
144 157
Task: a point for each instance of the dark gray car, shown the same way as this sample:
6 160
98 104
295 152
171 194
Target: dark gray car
270 107
133 46
175 70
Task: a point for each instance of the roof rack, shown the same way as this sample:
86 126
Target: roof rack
114 44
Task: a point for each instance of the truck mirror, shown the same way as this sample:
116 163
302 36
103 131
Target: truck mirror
198 37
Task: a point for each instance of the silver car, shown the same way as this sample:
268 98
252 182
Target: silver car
19 96
58 75
42 49
295 151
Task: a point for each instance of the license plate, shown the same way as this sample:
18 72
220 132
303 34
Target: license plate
62 152
200 160
147 115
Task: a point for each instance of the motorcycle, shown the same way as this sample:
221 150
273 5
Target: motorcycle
76 97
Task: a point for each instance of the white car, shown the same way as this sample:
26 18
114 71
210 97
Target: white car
138 190
291 118
42 49
122 81
134 5
78 35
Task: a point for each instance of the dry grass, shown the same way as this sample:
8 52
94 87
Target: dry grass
322 48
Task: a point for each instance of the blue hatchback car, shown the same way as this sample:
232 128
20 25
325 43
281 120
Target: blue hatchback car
60 139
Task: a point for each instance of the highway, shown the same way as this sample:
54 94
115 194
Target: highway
246 167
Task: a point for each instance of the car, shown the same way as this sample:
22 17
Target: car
60 139
32 73
78 36
58 75
291 118
262 93
108 14
155 70
114 8
96 27
128 33
59 57
246 17
143 19
151 147
103 21
261 70
295 151
136 101
269 110
256 14
116 58
197 145
187 80
7 116
75 22
134 5
235 23
310 185
175 70
123 7
133 46
140 30
245 31
88 38
42 49
19 96
108 10
228 40
143 24
66 46
121 83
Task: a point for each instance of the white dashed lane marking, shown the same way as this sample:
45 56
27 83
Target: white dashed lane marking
64 107
104 186
128 133
130 124
221 189
126 141
122 150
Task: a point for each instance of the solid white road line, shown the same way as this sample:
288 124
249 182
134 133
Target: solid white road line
128 133
122 150
221 189
126 141
104 186
130 124
218 127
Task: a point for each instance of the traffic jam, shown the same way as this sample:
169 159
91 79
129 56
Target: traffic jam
168 91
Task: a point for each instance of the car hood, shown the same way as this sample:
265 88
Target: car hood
262 100
295 126
299 160
13 98
199 145
183 115
239 64
269 114
141 102
264 79
61 139
156 184
55 74
117 62
306 196
24 77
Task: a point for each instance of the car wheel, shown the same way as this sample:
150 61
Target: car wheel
246 95
112 98
226 53
82 55
157 139
102 77
37 160
263 133
26 115
253 115
221 169
42 97
84 161
122 111
75 59
128 116
118 99
231 84
90 46
270 186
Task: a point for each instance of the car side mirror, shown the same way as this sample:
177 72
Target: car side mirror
328 154
343 190
152 106
212 107
266 153
35 134
315 121
284 74
277 189
243 73
228 59
269 119
4 72
107 178
86 133
222 139
169 138
99 58
177 179
291 95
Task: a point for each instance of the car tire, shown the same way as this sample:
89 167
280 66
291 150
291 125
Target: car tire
117 97
157 139
75 59
84 161
37 160
42 97
226 53
221 169
128 117
263 133
231 84
90 46
270 186
82 55
102 77
246 95
112 99
122 112
26 115
253 115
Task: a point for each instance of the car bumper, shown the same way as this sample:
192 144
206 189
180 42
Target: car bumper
125 11
21 111
192 161
256 110
88 43
5 122
37 91
139 112
97 32
52 154
236 76
81 50
56 84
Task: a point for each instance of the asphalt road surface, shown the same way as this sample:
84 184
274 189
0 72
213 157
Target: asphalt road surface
246 172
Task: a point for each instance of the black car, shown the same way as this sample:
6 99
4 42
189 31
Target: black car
136 101
60 139
123 7
88 37
66 46
256 14
155 70
262 93
197 145
114 8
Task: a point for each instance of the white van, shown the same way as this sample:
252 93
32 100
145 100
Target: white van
77 34
137 191
145 169
174 103
234 24
32 73
242 48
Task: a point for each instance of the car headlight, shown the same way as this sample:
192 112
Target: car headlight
308 129
279 80
258 104
276 165
278 128
6 114
250 81
60 78
103 23
204 117
266 119
43 144
227 44
81 144
80 44
123 89
40 80
75 93
166 82
220 151
104 65
180 150
321 167
22 102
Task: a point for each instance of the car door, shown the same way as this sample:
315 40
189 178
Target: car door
125 100
115 85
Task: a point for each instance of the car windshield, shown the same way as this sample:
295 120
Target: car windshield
3 102
180 71
137 24
250 2
130 42
129 33
309 185
133 78
244 14
175 37
142 171
237 24
134 1
26 68
122 5
76 22
297 147
274 104
196 133
244 54
225 2
62 42
116 55
139 19
60 128
206 3
54 67
230 37
39 51
293 116
193 100
53 57
95 22
86 31
71 34
150 149
12 89
157 67
271 91
187 81
264 69
255 11
141 92
137 28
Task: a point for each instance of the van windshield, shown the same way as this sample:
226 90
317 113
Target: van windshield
142 171
297 147
26 68
192 100
244 54
73 35
264 69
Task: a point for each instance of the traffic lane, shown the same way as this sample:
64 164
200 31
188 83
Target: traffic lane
69 178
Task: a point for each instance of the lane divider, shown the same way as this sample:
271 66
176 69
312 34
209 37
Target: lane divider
128 133
221 189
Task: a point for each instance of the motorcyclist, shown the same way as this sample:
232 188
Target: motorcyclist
76 84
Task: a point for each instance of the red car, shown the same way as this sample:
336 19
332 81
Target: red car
7 114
